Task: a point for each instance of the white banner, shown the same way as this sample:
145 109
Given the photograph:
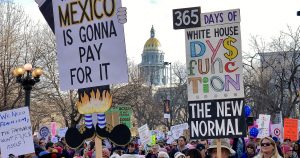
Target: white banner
90 43
263 125
15 132
144 134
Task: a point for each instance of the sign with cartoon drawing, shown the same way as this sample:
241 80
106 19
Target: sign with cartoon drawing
90 43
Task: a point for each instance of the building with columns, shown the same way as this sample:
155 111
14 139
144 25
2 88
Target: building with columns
153 69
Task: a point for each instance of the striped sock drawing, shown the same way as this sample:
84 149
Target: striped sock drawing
101 120
88 121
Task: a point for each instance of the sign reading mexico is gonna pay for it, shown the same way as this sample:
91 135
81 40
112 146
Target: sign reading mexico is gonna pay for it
215 81
90 43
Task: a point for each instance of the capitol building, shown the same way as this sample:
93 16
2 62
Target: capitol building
153 69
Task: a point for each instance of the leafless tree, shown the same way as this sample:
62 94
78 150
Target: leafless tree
273 86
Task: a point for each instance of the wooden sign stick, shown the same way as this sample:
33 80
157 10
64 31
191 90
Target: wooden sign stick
98 145
219 151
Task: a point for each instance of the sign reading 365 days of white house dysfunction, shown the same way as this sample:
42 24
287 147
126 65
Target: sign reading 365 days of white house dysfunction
90 43
215 79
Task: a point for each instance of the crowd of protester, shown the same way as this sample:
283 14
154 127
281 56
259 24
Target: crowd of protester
268 147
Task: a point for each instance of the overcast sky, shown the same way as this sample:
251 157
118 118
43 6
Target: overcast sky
264 18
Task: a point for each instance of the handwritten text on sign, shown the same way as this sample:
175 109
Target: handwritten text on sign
90 43
15 132
214 62
217 119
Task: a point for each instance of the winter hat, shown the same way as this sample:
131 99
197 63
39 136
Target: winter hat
163 154
178 154
225 143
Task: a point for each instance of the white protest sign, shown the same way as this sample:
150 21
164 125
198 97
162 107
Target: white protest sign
144 134
178 130
263 124
90 43
298 126
44 132
15 132
214 60
277 131
62 131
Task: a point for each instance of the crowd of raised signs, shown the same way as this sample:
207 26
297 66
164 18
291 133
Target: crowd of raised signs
267 147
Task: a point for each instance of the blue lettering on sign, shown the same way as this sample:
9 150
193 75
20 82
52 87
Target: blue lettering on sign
213 18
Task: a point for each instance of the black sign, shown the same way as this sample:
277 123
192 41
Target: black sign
212 119
186 18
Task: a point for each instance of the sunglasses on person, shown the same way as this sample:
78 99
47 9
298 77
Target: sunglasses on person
265 144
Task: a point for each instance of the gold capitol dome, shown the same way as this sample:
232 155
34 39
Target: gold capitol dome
152 44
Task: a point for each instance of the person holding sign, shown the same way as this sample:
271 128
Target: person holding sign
268 149
225 148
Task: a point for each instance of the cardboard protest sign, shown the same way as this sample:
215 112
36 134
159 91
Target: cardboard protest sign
291 129
144 134
263 124
217 119
215 81
90 43
15 132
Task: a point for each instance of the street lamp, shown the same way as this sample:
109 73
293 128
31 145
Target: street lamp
165 64
27 77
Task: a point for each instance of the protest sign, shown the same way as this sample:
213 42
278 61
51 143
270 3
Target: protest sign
44 132
277 131
215 81
263 124
90 43
124 114
144 134
217 119
214 61
62 131
53 129
15 132
178 130
291 129
298 126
